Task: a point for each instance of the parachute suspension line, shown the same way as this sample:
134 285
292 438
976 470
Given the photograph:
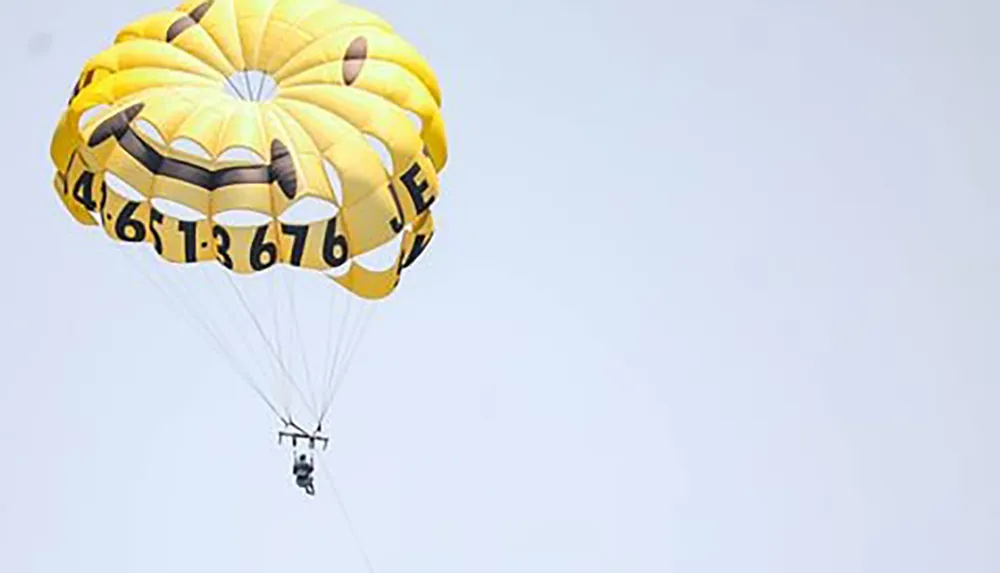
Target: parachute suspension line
277 362
365 322
298 340
277 315
332 357
277 328
255 356
234 315
361 326
347 517
282 336
199 315
333 345
280 321
328 375
267 342
198 320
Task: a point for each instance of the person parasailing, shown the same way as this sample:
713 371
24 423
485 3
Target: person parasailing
302 469
303 465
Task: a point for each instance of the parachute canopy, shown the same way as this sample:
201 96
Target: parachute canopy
257 133
267 139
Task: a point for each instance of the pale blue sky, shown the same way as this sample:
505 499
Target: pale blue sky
714 289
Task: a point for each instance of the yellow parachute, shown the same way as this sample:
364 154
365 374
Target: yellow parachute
281 99
258 136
